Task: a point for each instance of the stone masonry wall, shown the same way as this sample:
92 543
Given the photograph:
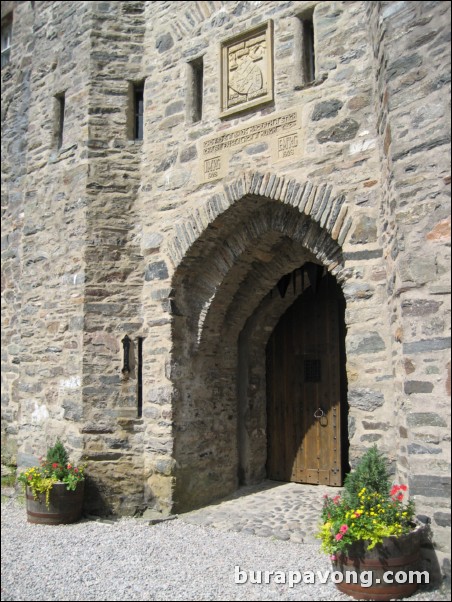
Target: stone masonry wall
108 236
112 430
415 132
15 102
339 150
45 215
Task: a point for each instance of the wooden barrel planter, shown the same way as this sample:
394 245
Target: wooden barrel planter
396 555
65 506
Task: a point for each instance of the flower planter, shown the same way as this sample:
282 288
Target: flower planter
396 555
65 506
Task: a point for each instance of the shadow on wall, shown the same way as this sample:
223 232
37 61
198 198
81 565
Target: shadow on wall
96 499
430 560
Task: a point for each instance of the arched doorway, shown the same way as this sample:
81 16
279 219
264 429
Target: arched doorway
224 306
306 424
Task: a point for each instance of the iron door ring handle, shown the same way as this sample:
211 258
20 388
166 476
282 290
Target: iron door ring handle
319 413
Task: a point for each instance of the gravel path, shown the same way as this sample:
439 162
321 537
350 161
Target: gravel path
130 560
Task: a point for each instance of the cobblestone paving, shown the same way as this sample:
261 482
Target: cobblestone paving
286 511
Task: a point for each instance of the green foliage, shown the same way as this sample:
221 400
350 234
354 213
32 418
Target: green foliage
55 468
39 480
372 473
57 455
369 510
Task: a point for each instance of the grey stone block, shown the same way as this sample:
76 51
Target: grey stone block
327 109
425 419
430 485
365 399
442 519
164 42
156 271
366 344
341 132
415 449
415 386
426 345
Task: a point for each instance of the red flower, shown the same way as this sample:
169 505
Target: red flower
55 465
403 487
69 466
339 536
394 490
336 499
400 497
344 529
75 469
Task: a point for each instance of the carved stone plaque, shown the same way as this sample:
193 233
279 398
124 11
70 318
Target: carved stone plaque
281 132
247 70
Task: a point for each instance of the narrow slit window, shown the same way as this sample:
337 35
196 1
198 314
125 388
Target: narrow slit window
140 378
195 90
7 30
138 111
309 50
305 70
60 109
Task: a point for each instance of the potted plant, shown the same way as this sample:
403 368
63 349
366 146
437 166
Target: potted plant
54 489
370 533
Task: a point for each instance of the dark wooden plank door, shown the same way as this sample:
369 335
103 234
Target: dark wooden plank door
304 390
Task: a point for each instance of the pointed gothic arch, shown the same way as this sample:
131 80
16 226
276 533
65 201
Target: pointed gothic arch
317 202
228 256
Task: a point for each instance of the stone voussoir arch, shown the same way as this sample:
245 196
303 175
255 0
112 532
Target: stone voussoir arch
316 202
228 254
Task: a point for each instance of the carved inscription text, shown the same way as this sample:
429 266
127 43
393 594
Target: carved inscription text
281 131
253 133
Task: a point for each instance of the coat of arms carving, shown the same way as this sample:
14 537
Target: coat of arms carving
247 70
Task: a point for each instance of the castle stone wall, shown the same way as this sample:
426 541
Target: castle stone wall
179 240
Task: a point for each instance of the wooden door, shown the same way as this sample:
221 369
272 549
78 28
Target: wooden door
304 390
